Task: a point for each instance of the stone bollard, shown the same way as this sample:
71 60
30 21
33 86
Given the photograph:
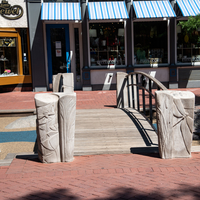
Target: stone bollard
47 127
175 118
56 114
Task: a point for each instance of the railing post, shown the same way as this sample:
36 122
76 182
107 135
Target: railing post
132 88
128 91
150 101
143 94
138 100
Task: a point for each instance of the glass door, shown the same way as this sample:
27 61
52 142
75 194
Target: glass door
58 49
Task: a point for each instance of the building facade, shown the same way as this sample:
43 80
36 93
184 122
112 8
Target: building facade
95 39
15 65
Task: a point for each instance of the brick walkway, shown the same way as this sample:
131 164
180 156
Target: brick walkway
85 99
103 177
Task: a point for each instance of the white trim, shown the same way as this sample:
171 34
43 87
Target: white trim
168 40
151 19
88 36
125 42
107 21
45 54
133 49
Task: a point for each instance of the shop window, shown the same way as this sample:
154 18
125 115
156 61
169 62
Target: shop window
25 55
188 45
107 47
14 52
150 43
8 56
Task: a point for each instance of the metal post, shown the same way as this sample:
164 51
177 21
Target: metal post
150 101
132 88
138 100
128 91
143 94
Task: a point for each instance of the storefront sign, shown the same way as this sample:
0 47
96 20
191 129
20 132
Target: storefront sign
10 12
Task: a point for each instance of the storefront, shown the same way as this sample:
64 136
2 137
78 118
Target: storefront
58 30
15 67
188 46
95 39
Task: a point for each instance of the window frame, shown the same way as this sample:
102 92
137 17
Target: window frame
125 44
176 49
168 43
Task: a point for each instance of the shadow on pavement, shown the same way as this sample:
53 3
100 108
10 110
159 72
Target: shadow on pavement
179 192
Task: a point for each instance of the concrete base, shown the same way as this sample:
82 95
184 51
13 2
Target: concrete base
87 88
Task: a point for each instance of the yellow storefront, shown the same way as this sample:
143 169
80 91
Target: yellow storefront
15 65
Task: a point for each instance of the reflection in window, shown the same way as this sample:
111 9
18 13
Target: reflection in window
150 42
188 46
8 56
24 44
107 44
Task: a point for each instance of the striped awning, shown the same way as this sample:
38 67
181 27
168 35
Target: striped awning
61 11
189 7
107 10
153 9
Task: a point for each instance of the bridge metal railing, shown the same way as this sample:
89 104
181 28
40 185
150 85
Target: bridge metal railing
145 84
136 84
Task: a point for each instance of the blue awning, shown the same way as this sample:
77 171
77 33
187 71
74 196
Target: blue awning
189 7
153 9
61 11
107 10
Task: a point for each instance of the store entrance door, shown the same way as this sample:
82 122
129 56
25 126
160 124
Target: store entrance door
58 49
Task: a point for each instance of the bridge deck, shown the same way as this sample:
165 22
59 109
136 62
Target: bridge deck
104 131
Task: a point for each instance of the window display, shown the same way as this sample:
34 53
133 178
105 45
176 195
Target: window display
150 42
188 45
8 56
107 46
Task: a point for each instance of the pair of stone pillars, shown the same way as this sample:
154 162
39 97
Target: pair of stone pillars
175 117
56 114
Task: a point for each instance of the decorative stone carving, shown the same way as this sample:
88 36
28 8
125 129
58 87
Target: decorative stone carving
63 82
47 127
55 126
175 117
68 82
56 82
67 115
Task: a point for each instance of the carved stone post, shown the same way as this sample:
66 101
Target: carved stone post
47 127
67 115
175 118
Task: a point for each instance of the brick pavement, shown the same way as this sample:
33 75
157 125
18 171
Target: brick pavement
85 99
103 177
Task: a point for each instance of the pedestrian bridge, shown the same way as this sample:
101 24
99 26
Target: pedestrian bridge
106 131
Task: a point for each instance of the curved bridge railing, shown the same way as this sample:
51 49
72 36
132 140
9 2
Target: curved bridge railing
135 89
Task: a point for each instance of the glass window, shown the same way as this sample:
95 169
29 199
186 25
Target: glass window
24 44
188 46
150 42
8 56
107 46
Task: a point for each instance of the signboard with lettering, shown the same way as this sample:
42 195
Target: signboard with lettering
10 12
13 13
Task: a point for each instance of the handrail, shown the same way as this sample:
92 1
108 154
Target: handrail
150 77
142 85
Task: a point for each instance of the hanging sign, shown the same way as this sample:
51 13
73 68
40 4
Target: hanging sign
10 12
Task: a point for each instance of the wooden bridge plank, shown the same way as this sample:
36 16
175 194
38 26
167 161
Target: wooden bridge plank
101 131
